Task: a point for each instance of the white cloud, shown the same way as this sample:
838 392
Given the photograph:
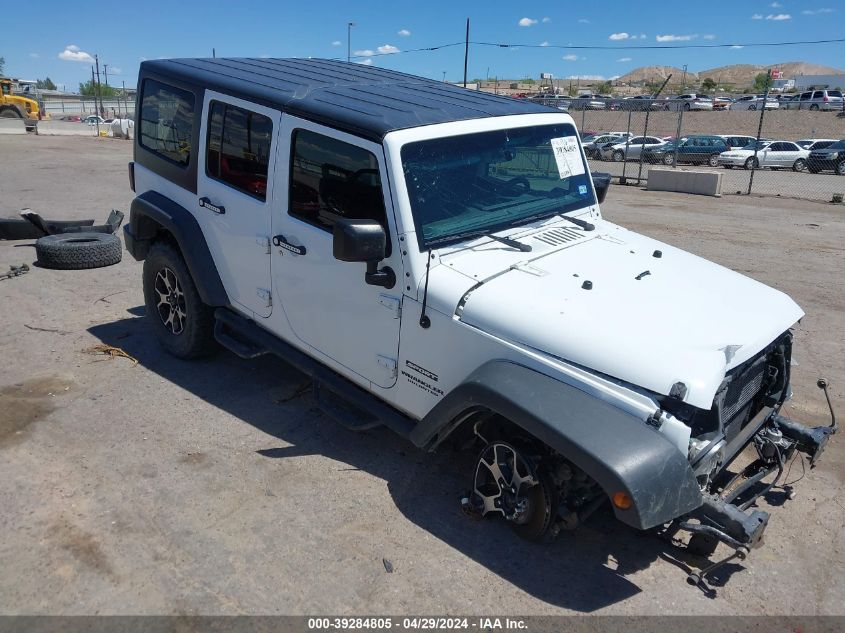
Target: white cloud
570 58
776 5
527 22
114 70
737 47
337 43
73 54
757 16
780 17
708 36
593 77
365 62
142 59
676 38
624 59
387 49
544 43
816 11
583 21
364 53
618 36
546 20
34 55
403 33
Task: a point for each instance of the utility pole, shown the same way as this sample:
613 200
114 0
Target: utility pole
106 73
214 53
684 81
466 54
99 92
94 91
444 76
349 26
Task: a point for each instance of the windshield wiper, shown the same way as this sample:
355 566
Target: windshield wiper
578 222
525 248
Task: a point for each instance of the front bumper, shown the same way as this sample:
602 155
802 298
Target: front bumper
733 161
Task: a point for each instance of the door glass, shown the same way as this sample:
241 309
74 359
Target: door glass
331 180
239 148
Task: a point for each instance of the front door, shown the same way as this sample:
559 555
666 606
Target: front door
235 195
327 302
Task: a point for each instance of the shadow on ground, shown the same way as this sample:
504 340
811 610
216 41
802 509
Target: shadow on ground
583 570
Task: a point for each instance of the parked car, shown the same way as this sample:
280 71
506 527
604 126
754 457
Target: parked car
641 103
592 144
722 103
691 101
772 154
93 119
71 117
816 100
629 149
587 102
419 270
737 141
832 158
696 149
754 102
815 143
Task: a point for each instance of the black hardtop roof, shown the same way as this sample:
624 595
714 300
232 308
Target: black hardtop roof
363 100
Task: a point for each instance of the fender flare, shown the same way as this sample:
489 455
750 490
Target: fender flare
150 213
621 452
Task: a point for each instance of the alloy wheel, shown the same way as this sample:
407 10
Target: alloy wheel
171 301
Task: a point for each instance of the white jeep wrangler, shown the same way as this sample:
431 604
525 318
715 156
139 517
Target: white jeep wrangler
436 260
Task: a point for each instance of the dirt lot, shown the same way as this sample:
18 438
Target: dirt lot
210 487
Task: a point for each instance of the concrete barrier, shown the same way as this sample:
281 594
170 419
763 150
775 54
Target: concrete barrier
705 183
12 126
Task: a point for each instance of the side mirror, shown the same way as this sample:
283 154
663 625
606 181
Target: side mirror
359 241
363 241
601 182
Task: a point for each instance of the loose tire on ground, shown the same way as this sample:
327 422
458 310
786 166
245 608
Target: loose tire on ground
77 251
182 323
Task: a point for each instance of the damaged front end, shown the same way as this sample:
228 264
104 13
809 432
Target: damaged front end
745 410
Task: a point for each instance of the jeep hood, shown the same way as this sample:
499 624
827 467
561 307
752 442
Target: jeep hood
607 303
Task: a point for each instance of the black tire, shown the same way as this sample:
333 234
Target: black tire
840 168
10 113
77 251
669 159
190 335
752 108
814 106
618 156
687 107
713 160
752 163
799 165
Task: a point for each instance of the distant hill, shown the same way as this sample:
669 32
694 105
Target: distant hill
736 74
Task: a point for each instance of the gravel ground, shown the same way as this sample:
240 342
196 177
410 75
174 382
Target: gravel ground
212 487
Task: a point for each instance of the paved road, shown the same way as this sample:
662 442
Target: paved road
219 486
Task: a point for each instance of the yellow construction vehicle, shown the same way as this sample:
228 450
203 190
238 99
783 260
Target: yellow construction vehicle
13 106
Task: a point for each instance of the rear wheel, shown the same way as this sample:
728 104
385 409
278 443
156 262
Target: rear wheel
183 324
752 163
507 483
687 107
10 113
799 165
814 106
752 107
840 168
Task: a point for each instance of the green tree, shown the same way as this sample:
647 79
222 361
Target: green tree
761 83
605 87
45 84
708 84
89 89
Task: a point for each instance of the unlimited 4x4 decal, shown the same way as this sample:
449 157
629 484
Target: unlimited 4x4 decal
419 382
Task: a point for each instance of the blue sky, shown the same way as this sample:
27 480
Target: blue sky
60 42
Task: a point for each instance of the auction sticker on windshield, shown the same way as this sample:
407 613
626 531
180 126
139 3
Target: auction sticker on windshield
567 156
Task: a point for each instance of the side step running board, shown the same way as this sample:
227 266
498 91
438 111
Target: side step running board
246 339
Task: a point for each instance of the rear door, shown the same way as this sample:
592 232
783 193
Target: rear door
235 195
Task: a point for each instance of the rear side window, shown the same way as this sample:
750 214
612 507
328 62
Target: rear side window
239 148
332 180
167 116
834 93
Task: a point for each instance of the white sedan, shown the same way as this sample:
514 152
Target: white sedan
626 150
773 154
754 102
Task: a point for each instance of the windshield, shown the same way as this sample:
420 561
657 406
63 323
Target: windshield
474 183
757 145
838 145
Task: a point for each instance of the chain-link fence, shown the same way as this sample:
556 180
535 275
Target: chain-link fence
760 146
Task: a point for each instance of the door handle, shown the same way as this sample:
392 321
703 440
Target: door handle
281 241
205 202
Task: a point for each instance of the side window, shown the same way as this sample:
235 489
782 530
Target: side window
778 147
331 179
167 116
637 140
806 95
818 94
238 148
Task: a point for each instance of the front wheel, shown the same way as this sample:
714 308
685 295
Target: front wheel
752 107
799 165
752 163
507 483
713 161
814 106
669 159
618 156
840 168
182 323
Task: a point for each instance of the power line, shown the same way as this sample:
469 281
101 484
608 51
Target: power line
409 50
657 46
